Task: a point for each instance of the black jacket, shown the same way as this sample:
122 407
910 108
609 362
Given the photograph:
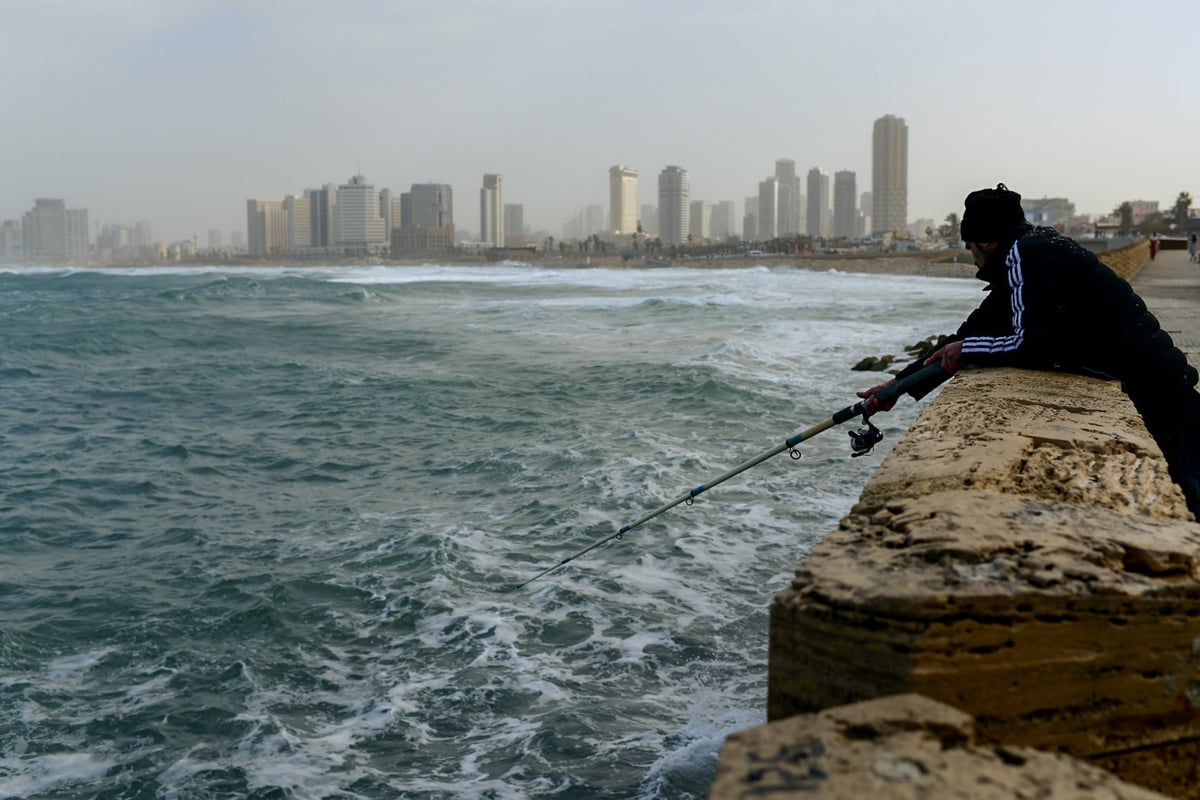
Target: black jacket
1052 304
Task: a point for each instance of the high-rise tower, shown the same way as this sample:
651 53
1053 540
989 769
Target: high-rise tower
623 199
491 210
430 205
788 205
266 227
357 224
845 199
674 210
889 175
768 209
818 203
51 233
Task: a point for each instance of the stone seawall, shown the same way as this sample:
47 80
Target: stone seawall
1128 260
1021 556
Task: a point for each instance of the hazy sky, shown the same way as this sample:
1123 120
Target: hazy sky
177 111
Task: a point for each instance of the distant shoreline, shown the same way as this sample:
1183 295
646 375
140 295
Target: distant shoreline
938 264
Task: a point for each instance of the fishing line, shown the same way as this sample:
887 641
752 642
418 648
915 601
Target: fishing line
861 443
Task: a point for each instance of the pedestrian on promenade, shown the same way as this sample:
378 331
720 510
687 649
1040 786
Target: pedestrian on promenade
1191 247
1153 245
1051 304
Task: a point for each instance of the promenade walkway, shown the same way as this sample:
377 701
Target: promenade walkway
1170 285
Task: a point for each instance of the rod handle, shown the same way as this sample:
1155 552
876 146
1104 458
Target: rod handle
933 374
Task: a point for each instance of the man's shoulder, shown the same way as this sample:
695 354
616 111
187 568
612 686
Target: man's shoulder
1042 242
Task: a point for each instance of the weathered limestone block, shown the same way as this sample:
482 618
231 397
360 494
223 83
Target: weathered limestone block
1023 556
1048 435
903 746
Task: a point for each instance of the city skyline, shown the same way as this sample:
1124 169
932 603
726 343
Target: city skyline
174 111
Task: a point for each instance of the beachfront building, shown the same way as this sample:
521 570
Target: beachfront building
427 204
266 228
818 203
788 206
357 224
845 211
514 223
750 219
51 233
299 221
11 248
889 175
389 209
1053 212
768 209
426 220
700 217
491 210
622 199
724 220
321 205
673 205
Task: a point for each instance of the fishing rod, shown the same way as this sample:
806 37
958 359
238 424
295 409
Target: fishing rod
861 443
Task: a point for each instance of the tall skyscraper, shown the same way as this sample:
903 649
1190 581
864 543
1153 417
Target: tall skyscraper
514 222
491 210
845 198
750 220
724 220
673 205
389 209
788 211
889 175
357 224
321 205
768 209
622 199
700 217
299 217
818 203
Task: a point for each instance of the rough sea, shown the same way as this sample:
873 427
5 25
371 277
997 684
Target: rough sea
259 529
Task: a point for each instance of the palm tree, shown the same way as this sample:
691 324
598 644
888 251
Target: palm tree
1182 205
1125 212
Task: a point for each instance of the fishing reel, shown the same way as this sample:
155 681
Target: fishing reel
863 440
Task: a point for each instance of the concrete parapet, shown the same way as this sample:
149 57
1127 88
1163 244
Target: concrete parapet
1023 556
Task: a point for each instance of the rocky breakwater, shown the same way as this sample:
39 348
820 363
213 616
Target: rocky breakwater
1022 556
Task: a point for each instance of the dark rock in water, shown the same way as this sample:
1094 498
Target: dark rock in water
915 350
926 346
874 363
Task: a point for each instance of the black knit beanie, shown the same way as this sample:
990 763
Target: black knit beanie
990 214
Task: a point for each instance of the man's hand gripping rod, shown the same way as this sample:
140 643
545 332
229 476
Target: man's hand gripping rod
932 375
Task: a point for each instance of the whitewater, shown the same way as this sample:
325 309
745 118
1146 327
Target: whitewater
259 527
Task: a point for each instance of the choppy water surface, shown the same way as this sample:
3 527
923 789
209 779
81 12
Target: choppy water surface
256 525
